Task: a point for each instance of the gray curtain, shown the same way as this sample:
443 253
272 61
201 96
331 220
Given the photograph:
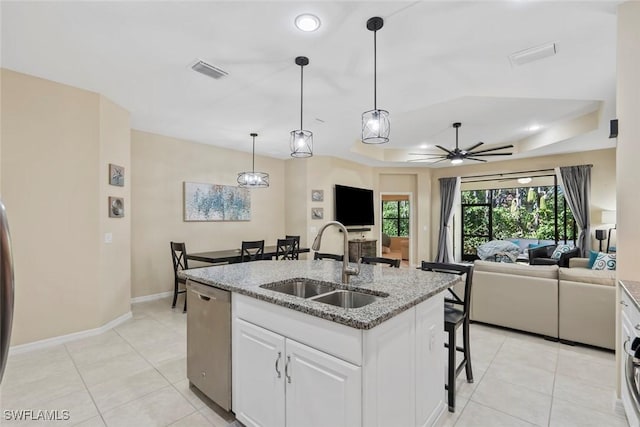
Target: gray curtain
449 194
576 183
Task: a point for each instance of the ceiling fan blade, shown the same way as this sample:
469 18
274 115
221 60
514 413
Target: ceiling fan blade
473 147
446 149
477 160
493 149
490 154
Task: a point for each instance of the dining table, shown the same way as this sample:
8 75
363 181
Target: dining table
233 255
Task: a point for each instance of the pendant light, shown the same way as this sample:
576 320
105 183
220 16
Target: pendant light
301 140
253 179
375 123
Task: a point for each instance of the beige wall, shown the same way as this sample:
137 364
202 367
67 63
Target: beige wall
52 177
323 173
603 182
628 150
159 167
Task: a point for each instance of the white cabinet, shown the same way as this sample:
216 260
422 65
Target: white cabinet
629 329
320 373
282 382
259 373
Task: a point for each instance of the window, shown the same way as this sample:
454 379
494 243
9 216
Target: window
395 218
539 212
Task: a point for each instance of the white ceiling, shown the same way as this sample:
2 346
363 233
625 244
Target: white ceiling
438 62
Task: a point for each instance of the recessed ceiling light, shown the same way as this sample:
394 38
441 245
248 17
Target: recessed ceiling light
534 128
307 22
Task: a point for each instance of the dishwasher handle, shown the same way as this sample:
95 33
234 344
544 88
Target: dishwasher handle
203 297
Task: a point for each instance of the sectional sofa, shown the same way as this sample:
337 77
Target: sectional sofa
574 304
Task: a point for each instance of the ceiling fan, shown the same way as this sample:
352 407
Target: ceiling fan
457 155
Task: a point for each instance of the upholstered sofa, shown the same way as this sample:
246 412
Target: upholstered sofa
573 304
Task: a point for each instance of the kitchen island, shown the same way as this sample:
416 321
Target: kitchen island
301 362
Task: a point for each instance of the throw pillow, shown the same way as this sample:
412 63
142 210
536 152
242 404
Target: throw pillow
536 245
605 262
560 249
592 258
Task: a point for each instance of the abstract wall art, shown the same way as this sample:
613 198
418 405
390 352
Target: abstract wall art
213 202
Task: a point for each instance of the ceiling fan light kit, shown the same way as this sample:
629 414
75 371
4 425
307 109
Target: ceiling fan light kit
301 141
375 123
253 179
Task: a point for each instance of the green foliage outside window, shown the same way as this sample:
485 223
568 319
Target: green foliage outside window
395 218
526 212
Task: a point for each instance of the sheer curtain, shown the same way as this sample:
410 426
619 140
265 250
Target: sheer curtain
449 196
576 183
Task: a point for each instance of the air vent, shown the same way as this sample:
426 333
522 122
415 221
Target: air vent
533 54
208 70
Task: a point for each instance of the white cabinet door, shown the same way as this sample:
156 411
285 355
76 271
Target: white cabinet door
321 389
258 371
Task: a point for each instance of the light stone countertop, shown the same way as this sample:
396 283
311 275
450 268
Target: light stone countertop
633 289
406 287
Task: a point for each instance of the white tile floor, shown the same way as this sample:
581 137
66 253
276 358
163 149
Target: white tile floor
135 375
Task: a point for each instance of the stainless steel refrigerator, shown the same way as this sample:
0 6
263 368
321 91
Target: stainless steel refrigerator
6 290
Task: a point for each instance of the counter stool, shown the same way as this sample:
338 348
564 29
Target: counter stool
453 318
392 262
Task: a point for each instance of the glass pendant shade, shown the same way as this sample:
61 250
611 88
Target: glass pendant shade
253 179
375 127
301 143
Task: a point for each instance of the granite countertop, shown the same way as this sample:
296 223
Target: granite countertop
406 287
633 289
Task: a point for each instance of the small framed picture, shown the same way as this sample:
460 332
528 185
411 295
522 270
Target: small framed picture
317 195
116 207
116 175
317 213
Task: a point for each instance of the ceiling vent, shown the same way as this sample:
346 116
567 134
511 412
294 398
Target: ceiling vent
533 54
208 70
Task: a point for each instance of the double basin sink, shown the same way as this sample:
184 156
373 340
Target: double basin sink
323 292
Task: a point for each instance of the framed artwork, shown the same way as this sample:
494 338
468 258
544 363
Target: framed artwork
116 207
317 213
116 175
317 195
213 202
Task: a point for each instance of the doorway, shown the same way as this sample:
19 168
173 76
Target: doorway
396 213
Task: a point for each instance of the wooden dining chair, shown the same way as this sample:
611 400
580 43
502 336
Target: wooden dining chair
285 249
392 262
322 255
453 318
297 247
252 250
179 259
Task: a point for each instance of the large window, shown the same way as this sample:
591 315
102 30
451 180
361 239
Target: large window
539 212
395 218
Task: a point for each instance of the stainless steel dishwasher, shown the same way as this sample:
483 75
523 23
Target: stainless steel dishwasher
209 341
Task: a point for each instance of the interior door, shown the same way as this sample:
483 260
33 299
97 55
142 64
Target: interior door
321 390
259 373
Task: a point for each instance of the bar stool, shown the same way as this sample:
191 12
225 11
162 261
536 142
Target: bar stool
453 318
323 255
392 262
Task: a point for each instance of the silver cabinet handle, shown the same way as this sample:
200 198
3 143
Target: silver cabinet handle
624 303
286 369
277 363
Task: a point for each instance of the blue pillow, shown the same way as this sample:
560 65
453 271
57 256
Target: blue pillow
592 258
536 245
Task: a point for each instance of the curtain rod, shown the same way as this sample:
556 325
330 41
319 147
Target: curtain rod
511 173
505 179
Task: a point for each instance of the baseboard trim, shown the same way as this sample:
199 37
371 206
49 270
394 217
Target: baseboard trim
151 297
51 342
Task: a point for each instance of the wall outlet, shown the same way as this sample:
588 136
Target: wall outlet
108 237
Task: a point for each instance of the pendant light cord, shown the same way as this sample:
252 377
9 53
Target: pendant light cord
301 93
253 163
375 68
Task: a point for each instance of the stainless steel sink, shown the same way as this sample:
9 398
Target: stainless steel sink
303 288
348 299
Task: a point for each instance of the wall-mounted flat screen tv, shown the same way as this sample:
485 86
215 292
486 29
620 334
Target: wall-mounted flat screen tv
354 206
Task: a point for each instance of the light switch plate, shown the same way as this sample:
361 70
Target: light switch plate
108 237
